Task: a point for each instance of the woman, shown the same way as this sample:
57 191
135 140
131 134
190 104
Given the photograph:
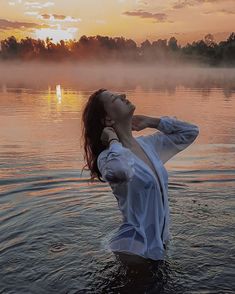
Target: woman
134 169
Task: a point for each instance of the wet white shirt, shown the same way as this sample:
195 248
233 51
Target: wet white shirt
142 197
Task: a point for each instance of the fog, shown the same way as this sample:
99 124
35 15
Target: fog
114 76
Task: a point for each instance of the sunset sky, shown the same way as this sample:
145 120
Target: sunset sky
187 20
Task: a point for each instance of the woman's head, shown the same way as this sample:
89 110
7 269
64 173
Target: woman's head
117 107
102 109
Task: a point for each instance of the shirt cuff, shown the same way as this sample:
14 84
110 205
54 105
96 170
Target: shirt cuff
116 146
166 124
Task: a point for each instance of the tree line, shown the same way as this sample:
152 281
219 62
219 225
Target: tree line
104 48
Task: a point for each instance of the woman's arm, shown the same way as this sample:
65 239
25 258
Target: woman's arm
116 163
175 135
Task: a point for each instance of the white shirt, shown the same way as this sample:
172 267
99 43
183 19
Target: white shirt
142 198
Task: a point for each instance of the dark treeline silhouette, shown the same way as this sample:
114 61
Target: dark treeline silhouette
104 48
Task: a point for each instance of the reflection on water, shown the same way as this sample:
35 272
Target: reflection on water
58 93
54 223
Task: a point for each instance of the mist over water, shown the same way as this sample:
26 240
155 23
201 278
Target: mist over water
54 223
116 75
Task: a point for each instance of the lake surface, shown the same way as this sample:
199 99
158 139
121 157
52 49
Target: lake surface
54 223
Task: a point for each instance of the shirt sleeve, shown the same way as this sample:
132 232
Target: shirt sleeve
174 136
116 164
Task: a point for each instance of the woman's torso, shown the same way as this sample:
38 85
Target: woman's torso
144 206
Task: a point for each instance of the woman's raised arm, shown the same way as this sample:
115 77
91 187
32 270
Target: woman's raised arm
175 135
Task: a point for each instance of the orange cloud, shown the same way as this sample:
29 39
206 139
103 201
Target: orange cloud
59 17
184 3
158 17
9 25
224 11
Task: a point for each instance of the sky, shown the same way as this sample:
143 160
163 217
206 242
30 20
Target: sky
186 20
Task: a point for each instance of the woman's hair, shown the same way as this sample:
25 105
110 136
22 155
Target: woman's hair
92 128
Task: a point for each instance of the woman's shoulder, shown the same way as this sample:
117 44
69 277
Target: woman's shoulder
116 147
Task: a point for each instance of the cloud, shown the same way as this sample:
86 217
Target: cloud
38 5
9 25
144 2
180 4
58 17
32 4
31 13
14 2
158 17
224 11
185 3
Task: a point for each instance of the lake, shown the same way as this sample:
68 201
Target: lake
54 223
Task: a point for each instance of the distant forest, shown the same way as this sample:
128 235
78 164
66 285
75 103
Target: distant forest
104 48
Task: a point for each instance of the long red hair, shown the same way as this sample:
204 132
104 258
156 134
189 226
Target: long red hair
92 128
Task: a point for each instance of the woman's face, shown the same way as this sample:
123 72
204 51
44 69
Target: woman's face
117 106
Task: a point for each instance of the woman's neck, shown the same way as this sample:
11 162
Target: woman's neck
124 133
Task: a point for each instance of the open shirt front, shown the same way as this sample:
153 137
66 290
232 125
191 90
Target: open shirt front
142 197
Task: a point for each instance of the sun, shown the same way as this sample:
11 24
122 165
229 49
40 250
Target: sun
56 34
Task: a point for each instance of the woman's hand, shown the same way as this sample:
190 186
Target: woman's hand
107 134
140 122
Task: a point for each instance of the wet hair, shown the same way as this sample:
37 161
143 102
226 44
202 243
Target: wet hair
92 128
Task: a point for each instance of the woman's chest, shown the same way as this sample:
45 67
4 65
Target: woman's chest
151 173
146 162
147 165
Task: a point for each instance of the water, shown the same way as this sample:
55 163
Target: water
54 224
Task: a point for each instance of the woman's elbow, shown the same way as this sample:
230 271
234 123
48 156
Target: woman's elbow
187 138
195 132
192 134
